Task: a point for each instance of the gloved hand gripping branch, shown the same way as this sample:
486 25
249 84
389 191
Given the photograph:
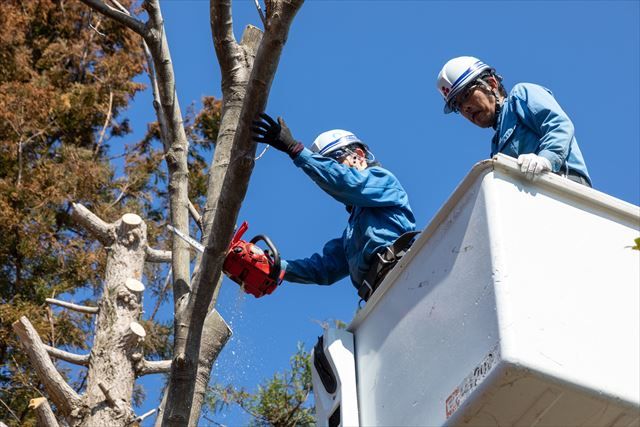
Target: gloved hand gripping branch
277 135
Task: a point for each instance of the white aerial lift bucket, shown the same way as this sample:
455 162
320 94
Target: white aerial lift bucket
518 305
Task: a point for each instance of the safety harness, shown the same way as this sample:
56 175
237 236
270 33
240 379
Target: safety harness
384 262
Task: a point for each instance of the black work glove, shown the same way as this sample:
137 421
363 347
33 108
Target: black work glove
277 135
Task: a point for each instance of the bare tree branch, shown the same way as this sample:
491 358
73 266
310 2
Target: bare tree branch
143 416
176 141
227 49
215 335
227 204
170 119
236 180
157 255
74 307
52 325
195 215
123 18
233 90
107 395
148 367
8 408
157 106
107 120
63 396
262 17
123 192
92 223
76 359
43 411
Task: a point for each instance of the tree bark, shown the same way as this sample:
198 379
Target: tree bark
76 359
64 397
116 352
43 411
117 333
147 367
176 139
280 14
215 335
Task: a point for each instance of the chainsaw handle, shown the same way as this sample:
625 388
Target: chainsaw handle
275 271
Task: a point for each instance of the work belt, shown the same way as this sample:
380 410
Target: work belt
576 177
384 262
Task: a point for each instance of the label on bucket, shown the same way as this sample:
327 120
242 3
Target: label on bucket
472 381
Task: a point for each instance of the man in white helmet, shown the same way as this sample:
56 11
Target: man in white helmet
342 165
529 123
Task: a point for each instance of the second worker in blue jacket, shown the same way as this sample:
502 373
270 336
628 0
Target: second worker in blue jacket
529 123
342 165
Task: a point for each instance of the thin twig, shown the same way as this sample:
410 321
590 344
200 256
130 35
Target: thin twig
10 411
96 30
157 104
121 7
262 18
74 307
123 192
143 416
124 18
167 282
25 380
213 421
22 144
196 215
107 120
52 340
262 153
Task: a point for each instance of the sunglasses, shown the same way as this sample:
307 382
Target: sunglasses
340 154
462 97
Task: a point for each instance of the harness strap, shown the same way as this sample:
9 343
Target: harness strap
385 261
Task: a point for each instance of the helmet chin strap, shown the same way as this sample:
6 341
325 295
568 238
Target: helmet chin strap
498 108
496 96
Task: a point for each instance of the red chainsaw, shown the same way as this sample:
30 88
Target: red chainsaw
256 270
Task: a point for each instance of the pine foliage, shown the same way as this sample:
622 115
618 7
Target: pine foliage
67 76
281 401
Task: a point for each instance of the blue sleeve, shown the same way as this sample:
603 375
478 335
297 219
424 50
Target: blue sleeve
372 187
323 269
539 111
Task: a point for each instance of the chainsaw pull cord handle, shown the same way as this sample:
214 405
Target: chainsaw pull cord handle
275 271
239 232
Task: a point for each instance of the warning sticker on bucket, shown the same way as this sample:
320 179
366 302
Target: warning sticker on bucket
472 381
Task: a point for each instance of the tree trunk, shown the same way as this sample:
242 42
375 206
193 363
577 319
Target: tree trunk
116 358
233 188
118 334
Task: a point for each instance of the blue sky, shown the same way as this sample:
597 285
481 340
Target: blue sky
370 67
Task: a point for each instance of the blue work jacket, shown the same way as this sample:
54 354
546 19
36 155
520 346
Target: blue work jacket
380 214
532 121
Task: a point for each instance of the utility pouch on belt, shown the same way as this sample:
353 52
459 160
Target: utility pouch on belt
384 262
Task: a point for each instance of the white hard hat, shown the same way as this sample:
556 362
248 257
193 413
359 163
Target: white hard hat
331 140
456 74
